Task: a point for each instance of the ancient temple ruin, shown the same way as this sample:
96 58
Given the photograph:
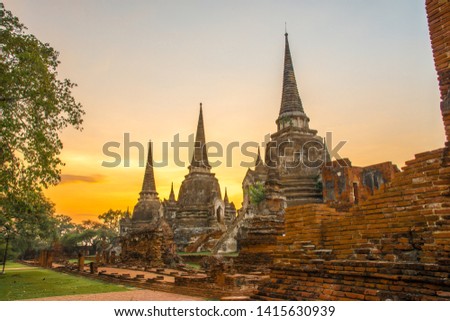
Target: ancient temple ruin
295 153
192 223
146 236
296 170
200 215
310 227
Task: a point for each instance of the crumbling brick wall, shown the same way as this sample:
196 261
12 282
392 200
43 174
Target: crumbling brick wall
396 244
152 246
345 185
438 13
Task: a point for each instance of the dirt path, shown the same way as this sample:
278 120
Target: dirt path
133 295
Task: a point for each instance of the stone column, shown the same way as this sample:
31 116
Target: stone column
41 258
49 259
80 262
93 268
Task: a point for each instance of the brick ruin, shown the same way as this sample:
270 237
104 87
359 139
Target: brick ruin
201 215
323 230
153 245
296 170
146 236
193 223
345 185
395 244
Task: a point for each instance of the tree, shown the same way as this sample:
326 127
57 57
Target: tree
91 225
63 224
35 106
111 219
257 193
28 225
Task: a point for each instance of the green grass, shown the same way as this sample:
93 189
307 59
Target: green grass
29 283
206 253
11 265
194 265
234 254
76 261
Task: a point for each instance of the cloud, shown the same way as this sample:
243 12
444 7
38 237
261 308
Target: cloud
68 179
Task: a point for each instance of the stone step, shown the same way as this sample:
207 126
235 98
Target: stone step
295 202
296 182
301 190
302 195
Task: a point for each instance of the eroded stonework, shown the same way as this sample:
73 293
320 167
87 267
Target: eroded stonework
200 215
146 237
195 221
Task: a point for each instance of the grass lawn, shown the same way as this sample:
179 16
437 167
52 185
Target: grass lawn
76 261
206 253
22 282
194 265
11 265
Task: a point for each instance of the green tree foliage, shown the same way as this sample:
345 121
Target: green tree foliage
111 219
87 235
257 193
34 107
63 224
28 223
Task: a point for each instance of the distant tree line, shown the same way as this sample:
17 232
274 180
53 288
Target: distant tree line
68 237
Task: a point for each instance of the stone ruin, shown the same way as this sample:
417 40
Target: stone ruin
393 243
295 170
332 232
153 245
146 237
201 216
193 223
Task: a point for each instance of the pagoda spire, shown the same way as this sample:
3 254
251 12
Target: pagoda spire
200 157
290 100
148 185
172 195
225 198
258 159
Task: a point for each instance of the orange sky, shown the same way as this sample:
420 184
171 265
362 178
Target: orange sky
365 72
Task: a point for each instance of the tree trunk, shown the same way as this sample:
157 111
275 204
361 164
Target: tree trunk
5 255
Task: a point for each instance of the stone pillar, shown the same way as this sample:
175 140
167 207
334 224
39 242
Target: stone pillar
41 258
49 259
80 262
93 268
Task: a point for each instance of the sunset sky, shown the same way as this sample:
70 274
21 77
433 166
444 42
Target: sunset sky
364 69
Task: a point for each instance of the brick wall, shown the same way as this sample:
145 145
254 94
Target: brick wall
257 239
395 245
438 13
345 185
